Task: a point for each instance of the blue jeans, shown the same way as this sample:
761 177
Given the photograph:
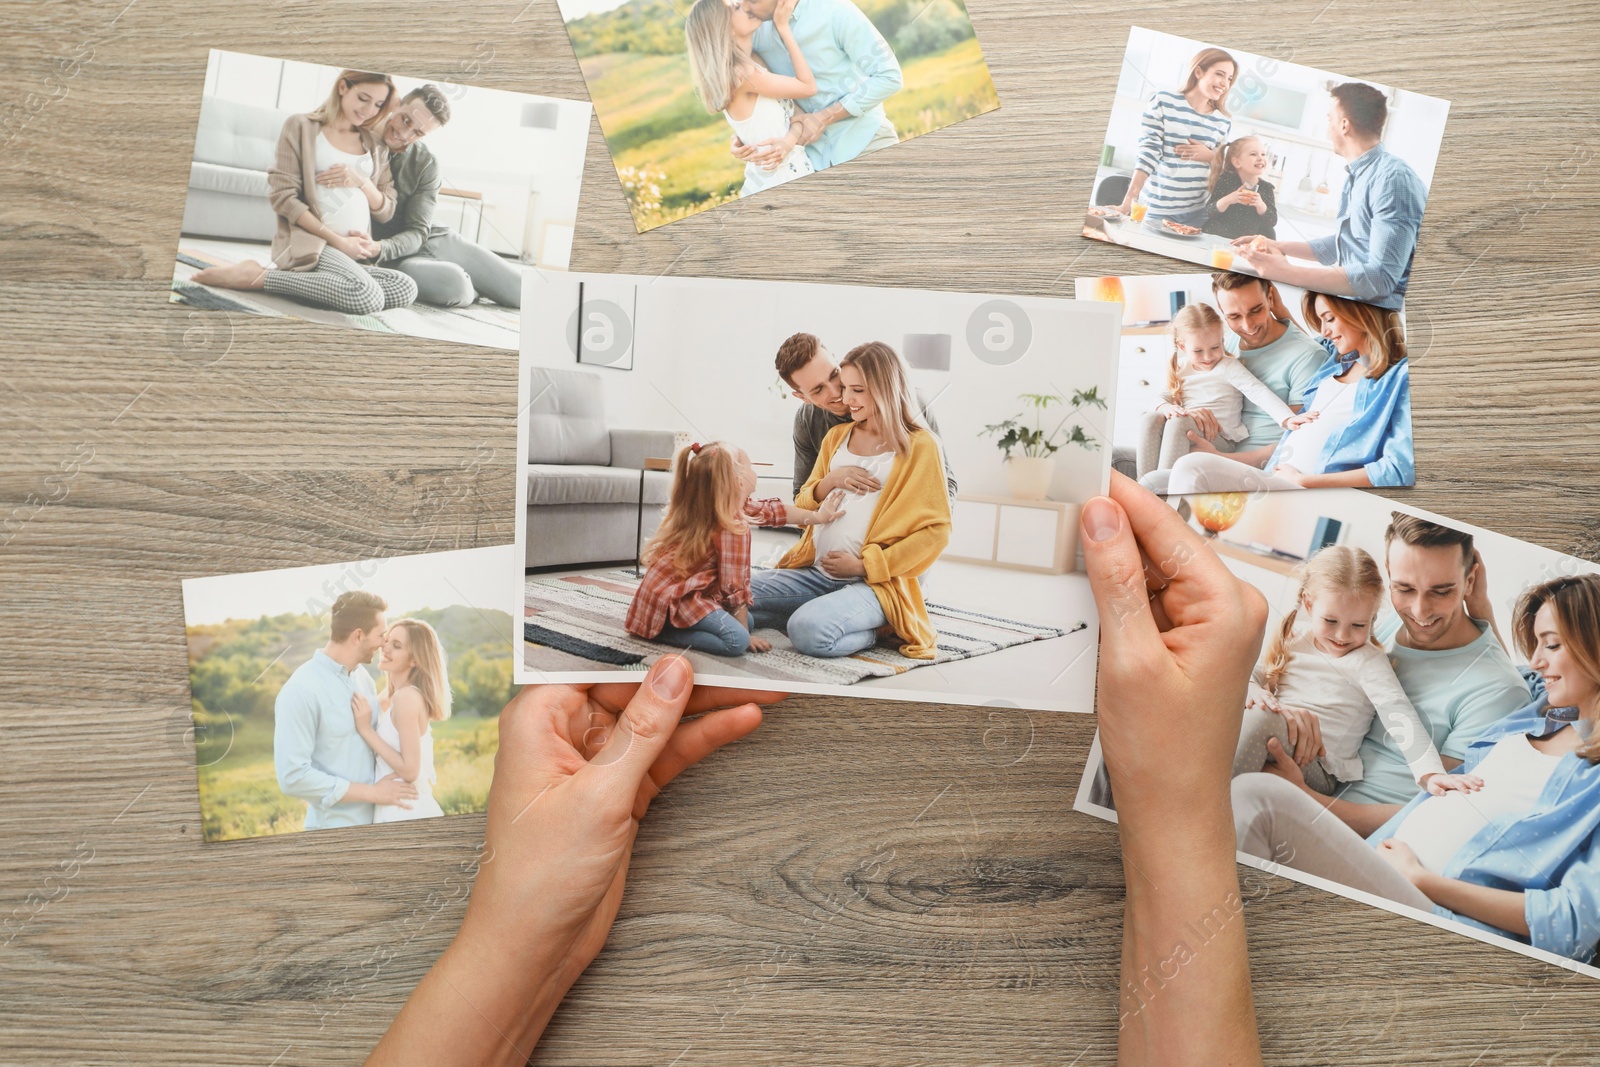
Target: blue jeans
718 633
823 616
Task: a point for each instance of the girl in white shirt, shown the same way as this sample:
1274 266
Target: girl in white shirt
1317 690
1202 376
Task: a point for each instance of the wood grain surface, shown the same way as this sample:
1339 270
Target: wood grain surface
857 884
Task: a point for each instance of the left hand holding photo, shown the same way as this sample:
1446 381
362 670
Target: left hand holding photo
576 770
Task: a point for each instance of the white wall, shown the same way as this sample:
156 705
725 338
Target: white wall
703 362
526 176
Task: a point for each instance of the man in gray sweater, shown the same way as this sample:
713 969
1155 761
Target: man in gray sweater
809 370
450 270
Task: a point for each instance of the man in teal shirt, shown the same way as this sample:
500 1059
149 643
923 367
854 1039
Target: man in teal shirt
855 69
319 756
1271 347
1448 657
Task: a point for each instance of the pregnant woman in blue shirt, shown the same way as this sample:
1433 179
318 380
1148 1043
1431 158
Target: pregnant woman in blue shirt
1520 857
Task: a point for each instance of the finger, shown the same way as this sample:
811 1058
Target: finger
1176 549
615 696
1117 579
643 729
692 742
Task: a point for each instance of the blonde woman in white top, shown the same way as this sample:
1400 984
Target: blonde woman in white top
1318 689
416 694
1202 375
731 79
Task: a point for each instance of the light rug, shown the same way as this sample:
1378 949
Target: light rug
574 623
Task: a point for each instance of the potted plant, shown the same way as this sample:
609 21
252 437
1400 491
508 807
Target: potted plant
1029 450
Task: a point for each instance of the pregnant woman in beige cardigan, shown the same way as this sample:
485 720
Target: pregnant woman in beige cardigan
329 181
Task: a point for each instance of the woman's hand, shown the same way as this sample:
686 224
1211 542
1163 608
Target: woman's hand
1195 151
576 770
1398 854
782 13
361 709
1283 470
841 564
1179 635
1440 784
1305 733
340 176
1299 419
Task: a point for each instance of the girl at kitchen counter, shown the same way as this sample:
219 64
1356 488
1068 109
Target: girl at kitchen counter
1243 203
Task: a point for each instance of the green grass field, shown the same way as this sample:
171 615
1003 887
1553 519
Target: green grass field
239 795
653 121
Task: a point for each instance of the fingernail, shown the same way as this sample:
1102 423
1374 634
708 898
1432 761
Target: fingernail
1101 519
670 678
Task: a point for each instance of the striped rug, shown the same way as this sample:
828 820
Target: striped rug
574 623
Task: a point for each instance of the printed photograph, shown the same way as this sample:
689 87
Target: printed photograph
826 488
1231 383
347 694
1239 161
706 101
372 200
1419 730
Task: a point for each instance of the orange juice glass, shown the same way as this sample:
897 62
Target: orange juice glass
1222 258
1138 210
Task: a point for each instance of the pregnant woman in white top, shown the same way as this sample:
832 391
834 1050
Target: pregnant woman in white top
758 104
328 182
415 696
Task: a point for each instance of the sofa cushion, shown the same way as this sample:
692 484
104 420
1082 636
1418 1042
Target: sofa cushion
574 483
218 178
238 135
567 418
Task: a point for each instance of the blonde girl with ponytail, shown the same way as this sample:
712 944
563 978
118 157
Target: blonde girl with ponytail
695 592
1206 388
1322 680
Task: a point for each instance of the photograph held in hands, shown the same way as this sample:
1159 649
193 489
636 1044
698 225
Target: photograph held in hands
833 489
1238 161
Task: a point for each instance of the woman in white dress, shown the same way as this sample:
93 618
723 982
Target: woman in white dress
329 180
730 78
416 694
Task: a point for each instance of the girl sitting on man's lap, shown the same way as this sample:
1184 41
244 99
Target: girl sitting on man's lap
696 592
1331 679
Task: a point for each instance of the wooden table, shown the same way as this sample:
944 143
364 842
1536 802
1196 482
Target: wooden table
988 928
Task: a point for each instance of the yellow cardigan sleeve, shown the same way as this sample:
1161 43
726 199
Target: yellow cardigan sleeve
918 531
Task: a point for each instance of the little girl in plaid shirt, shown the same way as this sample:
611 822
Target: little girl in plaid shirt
696 592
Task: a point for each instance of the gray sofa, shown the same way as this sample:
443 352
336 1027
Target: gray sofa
583 475
234 147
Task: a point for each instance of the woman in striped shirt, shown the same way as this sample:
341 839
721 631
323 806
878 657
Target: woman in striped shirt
1180 132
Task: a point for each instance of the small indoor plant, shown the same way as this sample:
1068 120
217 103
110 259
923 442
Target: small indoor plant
1029 450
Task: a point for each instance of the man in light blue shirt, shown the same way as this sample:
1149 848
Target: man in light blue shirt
1446 653
855 69
319 756
1380 212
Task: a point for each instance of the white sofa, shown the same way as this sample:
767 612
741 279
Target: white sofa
233 149
583 475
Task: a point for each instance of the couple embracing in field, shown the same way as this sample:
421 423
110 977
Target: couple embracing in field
802 83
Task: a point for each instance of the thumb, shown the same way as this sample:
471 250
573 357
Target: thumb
1116 575
643 728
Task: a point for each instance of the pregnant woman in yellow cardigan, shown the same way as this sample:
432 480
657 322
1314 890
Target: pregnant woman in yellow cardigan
843 582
